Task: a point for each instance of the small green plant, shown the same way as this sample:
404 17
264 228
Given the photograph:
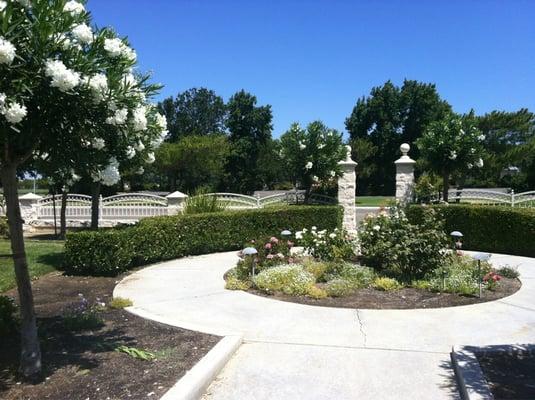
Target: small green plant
357 275
290 279
386 284
339 287
459 274
81 316
120 302
508 271
8 320
316 268
233 283
316 292
136 353
421 284
201 202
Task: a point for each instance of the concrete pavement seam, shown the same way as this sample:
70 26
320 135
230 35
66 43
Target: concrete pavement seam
361 327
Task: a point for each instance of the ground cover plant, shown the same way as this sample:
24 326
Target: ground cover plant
389 263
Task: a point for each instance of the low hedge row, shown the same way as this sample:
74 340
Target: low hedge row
488 228
110 252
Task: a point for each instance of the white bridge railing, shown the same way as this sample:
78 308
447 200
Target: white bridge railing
480 196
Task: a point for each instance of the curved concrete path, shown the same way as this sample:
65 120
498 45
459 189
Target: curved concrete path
322 352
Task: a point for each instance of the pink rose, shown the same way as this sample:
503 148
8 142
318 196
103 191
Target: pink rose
274 240
267 246
270 256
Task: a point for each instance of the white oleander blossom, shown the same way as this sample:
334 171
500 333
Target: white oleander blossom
302 146
64 41
150 158
332 173
73 7
321 146
62 77
83 33
99 86
110 175
140 171
453 155
309 165
481 138
139 119
315 178
3 5
161 122
116 48
119 118
14 112
479 163
130 152
139 146
7 51
98 143
2 100
470 165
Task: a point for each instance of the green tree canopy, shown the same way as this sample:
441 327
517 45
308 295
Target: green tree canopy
197 111
389 116
249 129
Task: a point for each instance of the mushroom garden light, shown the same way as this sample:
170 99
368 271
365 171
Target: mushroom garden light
480 257
251 251
457 240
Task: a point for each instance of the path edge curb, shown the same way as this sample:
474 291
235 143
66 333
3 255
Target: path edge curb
470 379
194 383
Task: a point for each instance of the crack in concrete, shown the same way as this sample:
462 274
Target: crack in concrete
361 327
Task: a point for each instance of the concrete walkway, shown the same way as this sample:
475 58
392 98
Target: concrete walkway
295 351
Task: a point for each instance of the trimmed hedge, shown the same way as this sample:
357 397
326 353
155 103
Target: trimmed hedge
110 252
488 228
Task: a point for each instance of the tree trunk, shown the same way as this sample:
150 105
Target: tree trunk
95 205
63 215
30 358
446 185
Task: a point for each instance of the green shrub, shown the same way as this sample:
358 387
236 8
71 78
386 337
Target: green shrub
386 284
398 248
4 228
458 275
201 203
508 272
339 287
234 283
290 279
110 252
8 319
316 292
81 315
487 228
357 275
120 302
316 268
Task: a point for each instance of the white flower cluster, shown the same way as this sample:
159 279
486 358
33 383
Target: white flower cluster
116 48
150 158
302 146
161 122
83 33
453 155
3 5
13 112
119 118
98 143
99 86
309 165
7 51
62 77
73 7
130 152
139 119
110 175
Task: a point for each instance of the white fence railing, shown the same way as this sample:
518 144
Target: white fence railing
479 196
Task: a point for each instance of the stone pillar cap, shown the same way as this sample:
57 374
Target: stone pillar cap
404 159
348 160
176 195
30 196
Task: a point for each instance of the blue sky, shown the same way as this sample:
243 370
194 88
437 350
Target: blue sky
313 59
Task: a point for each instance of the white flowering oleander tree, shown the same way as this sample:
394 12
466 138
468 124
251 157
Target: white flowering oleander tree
311 155
69 98
451 145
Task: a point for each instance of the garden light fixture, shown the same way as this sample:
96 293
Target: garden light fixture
457 241
251 251
286 233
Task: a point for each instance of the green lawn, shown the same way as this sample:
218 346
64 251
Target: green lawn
44 256
375 201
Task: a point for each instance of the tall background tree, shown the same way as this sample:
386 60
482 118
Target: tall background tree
197 111
389 116
249 129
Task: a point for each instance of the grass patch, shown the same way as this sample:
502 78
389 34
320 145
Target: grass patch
44 256
373 201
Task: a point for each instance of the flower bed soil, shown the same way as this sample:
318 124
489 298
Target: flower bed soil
85 365
405 298
510 376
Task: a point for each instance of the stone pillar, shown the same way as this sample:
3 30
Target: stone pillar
347 189
404 175
175 202
29 207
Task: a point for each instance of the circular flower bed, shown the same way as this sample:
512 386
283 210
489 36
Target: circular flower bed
387 264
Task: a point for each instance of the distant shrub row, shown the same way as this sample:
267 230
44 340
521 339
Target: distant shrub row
113 251
488 228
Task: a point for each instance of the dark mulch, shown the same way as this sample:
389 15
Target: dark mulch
85 365
401 299
510 375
